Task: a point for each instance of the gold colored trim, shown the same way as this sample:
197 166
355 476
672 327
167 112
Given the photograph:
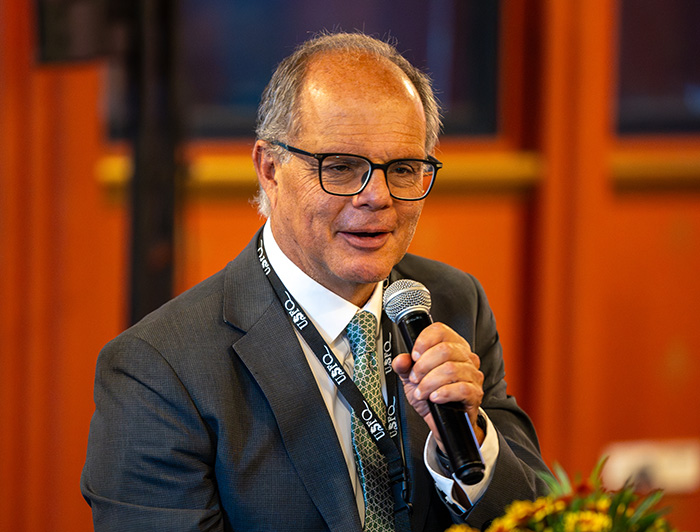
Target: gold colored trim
491 170
498 170
667 169
203 172
113 171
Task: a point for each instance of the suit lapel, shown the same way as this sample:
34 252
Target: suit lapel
270 350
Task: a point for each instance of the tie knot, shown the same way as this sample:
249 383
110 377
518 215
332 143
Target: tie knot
362 333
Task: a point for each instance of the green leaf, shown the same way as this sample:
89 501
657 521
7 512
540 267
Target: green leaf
645 505
553 484
563 478
644 523
595 478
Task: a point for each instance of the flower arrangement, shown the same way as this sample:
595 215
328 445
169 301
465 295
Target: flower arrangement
584 506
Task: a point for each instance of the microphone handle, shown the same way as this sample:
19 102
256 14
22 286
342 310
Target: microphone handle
456 432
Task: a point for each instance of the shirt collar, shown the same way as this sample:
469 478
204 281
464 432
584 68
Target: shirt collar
329 312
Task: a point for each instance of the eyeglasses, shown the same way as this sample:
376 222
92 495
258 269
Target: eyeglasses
345 174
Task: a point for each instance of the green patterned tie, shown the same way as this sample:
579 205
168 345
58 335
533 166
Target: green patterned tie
379 513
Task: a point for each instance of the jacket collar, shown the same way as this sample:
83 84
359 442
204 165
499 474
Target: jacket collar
270 350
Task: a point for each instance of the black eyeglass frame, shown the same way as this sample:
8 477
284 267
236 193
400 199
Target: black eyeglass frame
320 157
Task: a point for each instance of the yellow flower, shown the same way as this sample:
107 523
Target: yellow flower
586 521
584 506
551 506
502 524
461 528
660 525
521 512
602 505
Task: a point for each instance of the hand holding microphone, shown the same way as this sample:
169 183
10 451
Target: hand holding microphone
407 303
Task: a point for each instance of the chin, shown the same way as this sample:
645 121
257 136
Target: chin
362 275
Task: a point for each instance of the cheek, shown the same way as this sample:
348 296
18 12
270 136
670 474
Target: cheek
310 210
296 196
410 217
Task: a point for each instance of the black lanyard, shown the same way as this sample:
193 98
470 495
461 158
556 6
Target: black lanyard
387 438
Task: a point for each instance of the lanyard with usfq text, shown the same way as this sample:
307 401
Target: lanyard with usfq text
389 446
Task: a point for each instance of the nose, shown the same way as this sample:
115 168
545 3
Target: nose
376 193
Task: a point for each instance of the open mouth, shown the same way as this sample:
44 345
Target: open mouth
367 235
367 239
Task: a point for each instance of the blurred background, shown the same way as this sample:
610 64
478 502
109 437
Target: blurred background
570 188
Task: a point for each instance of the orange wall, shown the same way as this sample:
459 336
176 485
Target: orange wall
61 278
595 288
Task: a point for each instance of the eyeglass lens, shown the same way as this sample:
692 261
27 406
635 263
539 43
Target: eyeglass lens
347 174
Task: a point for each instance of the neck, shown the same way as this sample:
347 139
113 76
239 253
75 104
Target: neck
357 296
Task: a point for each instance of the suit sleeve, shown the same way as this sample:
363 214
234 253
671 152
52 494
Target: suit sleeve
519 460
150 459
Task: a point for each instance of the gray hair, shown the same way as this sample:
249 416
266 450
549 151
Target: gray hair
278 112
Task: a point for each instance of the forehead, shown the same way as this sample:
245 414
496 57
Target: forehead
350 71
357 97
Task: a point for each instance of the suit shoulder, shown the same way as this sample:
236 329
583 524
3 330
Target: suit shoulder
188 317
206 292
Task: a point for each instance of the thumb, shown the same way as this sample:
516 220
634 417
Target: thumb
402 365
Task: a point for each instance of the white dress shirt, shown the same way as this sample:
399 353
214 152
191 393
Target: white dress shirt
330 314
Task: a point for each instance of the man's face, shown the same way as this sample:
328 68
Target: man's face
363 107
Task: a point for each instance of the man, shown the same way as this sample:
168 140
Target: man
219 412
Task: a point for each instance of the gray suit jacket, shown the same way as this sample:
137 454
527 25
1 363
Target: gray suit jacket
208 417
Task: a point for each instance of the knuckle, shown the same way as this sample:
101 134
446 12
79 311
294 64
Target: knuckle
475 359
463 389
450 369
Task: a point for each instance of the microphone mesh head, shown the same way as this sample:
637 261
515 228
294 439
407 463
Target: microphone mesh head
403 296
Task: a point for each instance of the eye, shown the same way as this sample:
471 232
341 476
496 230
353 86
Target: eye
336 167
406 168
343 166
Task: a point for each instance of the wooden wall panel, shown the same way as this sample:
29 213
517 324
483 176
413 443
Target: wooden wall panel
653 303
62 284
615 270
14 280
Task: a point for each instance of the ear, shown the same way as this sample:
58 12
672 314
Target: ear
266 165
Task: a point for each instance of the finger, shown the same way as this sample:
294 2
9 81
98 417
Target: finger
469 394
450 373
402 365
451 353
432 335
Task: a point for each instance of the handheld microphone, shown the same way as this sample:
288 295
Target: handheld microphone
407 303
